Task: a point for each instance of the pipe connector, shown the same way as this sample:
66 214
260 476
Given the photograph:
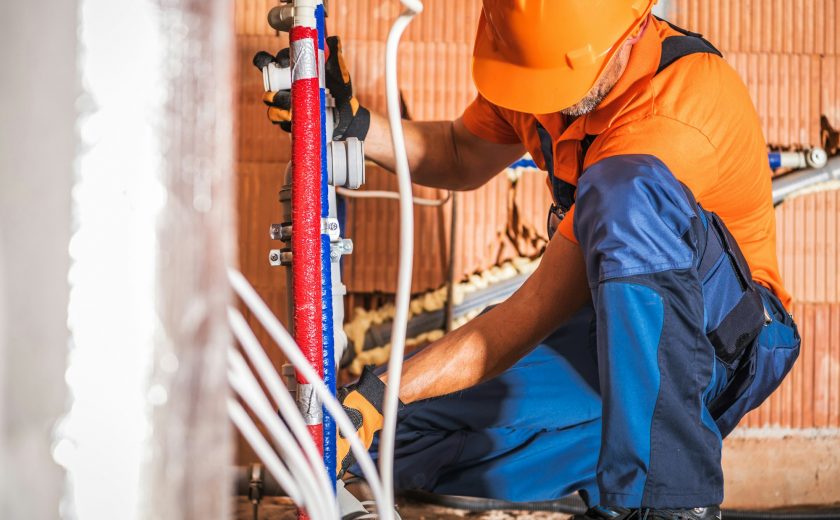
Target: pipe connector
816 157
346 163
282 17
276 77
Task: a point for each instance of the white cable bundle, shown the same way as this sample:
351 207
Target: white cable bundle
295 461
300 463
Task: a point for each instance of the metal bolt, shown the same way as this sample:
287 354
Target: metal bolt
280 257
280 232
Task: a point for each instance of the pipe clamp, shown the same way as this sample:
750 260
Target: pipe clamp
330 226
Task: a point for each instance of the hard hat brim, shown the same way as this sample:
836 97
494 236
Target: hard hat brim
534 91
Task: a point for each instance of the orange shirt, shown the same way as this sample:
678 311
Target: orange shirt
696 116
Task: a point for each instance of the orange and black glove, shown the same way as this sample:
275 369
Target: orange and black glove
363 402
352 119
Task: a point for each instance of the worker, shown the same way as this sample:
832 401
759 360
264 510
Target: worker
657 317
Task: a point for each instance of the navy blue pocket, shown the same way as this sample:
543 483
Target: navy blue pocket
735 311
771 356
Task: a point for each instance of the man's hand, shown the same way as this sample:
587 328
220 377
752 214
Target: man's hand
352 119
441 154
280 101
363 402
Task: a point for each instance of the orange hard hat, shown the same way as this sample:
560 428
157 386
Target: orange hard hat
541 56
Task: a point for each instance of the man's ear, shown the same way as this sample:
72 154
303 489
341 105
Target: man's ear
633 39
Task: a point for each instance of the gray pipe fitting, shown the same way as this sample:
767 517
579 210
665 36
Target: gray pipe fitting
346 163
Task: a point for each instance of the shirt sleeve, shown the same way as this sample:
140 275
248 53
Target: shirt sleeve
487 121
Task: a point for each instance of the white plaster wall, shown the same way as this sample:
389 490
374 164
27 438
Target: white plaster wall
38 91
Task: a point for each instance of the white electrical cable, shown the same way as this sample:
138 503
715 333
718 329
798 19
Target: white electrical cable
263 450
400 323
393 195
283 400
314 493
292 352
299 481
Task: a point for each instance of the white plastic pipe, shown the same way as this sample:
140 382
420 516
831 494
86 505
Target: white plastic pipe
791 183
282 399
287 344
386 446
305 13
315 497
393 195
263 450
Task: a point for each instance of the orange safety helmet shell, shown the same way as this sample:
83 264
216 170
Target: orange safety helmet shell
542 56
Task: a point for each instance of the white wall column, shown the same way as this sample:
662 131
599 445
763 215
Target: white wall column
37 148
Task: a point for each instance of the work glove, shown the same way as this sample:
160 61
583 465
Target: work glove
363 402
352 119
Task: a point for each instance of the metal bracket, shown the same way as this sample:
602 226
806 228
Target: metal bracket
340 248
329 226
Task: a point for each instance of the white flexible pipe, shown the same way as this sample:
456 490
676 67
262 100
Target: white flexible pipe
400 323
284 402
315 495
282 399
263 450
290 349
377 194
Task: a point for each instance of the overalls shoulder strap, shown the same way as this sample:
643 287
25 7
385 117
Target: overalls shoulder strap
673 48
676 47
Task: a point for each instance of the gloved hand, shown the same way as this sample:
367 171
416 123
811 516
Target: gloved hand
363 401
352 119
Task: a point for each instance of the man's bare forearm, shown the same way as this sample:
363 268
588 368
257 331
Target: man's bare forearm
419 138
494 341
441 154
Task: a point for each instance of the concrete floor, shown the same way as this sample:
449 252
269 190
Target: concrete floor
763 471
282 509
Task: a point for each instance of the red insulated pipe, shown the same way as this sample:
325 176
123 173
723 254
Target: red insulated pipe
306 213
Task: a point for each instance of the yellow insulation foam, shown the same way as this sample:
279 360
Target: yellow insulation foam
427 302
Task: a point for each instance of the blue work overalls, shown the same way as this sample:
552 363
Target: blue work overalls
628 401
